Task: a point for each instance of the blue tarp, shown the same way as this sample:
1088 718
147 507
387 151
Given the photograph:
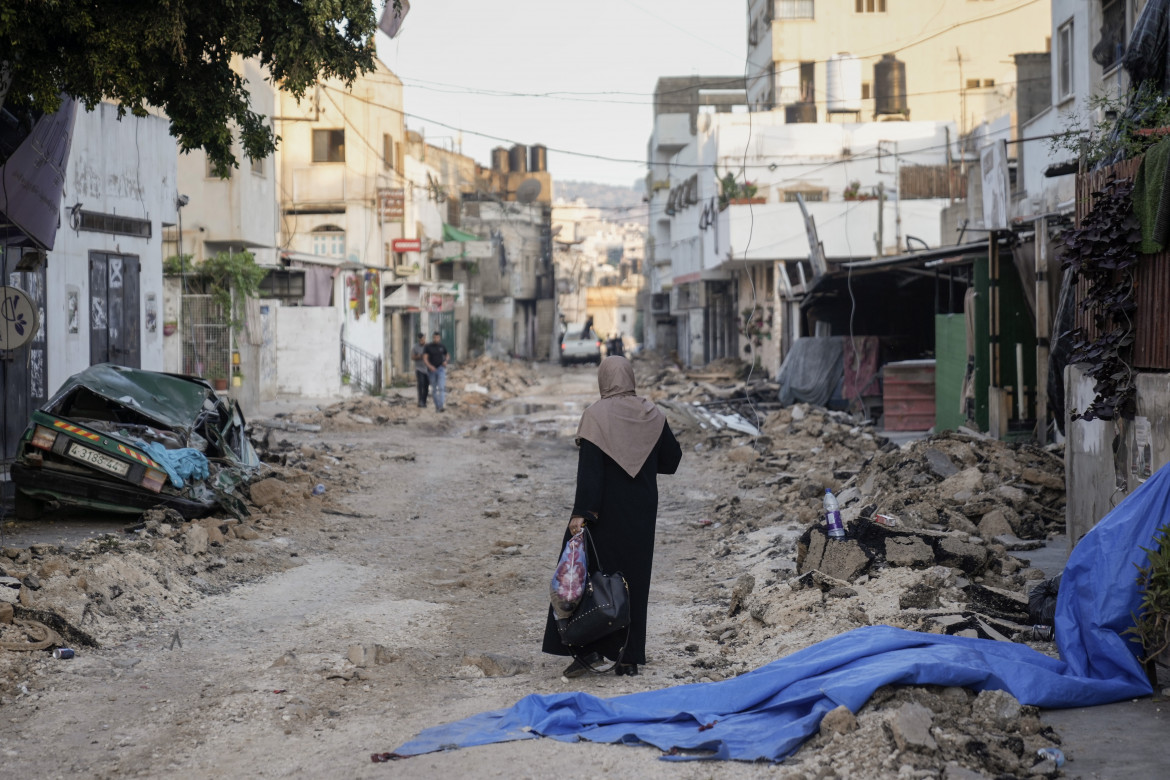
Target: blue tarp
180 464
769 712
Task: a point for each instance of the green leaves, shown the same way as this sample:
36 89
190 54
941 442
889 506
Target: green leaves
1151 626
1101 252
176 55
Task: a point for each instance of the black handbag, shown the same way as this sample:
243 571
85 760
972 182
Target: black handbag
604 608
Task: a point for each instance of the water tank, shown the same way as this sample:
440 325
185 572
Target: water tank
797 113
843 83
500 159
538 158
518 158
889 86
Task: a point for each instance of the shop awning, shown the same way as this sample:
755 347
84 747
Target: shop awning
452 233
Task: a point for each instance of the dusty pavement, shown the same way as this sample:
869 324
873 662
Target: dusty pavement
413 592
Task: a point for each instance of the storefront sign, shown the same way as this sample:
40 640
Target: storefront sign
406 245
18 318
392 203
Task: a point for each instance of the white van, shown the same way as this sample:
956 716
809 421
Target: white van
580 344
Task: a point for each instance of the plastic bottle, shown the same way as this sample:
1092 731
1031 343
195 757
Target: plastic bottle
1055 755
833 525
319 490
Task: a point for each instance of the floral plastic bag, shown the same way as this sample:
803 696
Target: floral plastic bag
568 582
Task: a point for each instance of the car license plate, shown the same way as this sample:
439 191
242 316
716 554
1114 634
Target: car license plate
98 459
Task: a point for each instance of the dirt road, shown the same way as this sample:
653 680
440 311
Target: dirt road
446 559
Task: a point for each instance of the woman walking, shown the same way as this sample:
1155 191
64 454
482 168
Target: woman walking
625 443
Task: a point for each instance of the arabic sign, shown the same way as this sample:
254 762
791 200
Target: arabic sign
18 318
406 245
392 203
33 177
393 15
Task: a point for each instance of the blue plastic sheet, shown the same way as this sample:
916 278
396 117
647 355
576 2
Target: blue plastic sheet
180 464
769 712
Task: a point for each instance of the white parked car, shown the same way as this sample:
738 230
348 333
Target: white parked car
580 344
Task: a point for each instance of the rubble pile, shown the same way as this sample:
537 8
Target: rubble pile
929 731
484 381
968 483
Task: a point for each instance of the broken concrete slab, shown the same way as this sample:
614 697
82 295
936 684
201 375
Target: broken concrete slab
995 523
909 725
195 540
908 551
1044 479
968 556
496 665
267 491
940 463
838 721
998 709
965 483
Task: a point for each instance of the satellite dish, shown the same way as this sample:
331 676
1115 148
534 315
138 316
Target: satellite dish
528 191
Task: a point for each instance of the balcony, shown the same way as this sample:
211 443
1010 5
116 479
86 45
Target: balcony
672 132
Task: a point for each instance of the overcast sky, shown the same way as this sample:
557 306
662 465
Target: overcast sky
450 52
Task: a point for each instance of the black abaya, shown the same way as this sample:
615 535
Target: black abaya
626 508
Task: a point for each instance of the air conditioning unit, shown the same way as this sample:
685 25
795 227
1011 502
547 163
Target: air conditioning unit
660 303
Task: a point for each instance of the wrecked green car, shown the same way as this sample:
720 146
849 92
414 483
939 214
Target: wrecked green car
89 447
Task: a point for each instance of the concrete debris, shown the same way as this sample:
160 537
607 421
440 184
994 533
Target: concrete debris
910 727
496 665
838 721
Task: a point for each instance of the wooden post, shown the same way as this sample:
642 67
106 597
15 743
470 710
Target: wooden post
1043 332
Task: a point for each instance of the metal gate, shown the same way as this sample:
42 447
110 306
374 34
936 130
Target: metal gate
114 332
207 338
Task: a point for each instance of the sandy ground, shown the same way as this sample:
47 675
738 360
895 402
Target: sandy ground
450 556
435 540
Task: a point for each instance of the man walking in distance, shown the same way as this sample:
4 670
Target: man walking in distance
435 357
420 370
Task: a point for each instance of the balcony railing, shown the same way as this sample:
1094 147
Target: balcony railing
361 369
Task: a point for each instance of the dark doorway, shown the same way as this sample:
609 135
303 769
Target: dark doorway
23 375
113 310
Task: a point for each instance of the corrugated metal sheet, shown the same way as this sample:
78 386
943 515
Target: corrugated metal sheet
1151 349
908 395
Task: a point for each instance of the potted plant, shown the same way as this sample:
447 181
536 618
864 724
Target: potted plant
218 378
732 192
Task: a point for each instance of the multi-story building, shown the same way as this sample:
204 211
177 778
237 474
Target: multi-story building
344 201
91 262
954 57
850 100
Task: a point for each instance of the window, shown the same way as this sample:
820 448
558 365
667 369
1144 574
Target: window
870 6
286 284
328 146
1064 61
329 241
810 196
211 174
794 9
387 152
111 223
1109 50
808 82
258 166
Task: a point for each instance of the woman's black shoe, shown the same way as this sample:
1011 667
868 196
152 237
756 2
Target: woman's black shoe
629 670
580 666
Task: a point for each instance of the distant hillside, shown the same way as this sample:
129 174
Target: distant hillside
597 195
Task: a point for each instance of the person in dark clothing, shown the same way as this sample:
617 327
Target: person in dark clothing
625 443
420 370
435 358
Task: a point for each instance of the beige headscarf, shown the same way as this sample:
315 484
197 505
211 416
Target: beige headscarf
624 426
